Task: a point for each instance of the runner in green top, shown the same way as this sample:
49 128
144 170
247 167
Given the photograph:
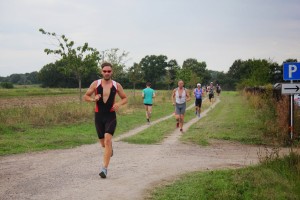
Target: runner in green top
148 94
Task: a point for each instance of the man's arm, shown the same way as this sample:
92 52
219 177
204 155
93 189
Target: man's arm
91 90
173 97
123 97
188 97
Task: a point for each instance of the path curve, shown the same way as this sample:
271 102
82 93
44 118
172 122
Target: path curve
73 173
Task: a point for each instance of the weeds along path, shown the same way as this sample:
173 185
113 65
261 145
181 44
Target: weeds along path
134 169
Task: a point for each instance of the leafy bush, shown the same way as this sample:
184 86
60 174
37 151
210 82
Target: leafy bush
7 85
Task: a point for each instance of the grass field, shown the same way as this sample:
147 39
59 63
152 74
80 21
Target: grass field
156 133
232 119
36 91
54 122
274 180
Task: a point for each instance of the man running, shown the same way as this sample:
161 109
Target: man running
148 94
198 102
180 96
104 91
211 92
218 89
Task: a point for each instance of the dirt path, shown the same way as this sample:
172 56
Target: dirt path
73 173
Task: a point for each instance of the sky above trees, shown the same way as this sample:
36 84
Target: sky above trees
216 32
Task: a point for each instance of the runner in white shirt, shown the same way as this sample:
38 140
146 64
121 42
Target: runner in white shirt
180 96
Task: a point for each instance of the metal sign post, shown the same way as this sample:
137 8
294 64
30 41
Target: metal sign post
291 71
292 115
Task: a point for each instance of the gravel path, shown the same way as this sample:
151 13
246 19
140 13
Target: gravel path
73 173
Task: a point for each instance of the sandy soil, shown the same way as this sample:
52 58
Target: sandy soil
73 173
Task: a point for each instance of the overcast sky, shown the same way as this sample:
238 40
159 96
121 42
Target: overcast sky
215 31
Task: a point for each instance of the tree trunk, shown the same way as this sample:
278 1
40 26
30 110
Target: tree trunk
134 89
80 90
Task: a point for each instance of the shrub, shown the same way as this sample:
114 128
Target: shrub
7 85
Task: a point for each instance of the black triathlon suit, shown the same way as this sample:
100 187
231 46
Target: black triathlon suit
105 117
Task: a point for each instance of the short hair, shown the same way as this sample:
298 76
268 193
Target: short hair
148 84
105 64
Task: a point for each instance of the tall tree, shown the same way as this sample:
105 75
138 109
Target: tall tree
196 67
51 75
185 75
135 75
172 68
79 60
118 59
154 68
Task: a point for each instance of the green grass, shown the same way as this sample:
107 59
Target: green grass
36 91
156 133
153 134
278 179
21 138
28 129
232 119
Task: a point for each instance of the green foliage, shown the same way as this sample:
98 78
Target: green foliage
79 61
118 60
154 68
170 78
279 179
184 74
7 85
22 79
135 74
196 67
253 72
193 72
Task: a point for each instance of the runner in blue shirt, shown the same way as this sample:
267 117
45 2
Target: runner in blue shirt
148 94
198 95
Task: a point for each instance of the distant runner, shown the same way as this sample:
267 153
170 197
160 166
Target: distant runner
148 94
198 99
180 96
211 91
218 89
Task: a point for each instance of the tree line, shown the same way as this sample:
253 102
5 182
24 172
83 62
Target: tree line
162 73
78 67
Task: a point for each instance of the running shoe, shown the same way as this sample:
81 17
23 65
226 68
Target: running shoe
181 130
103 172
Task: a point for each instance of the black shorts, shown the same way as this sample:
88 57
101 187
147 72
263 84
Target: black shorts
147 104
105 123
211 96
198 102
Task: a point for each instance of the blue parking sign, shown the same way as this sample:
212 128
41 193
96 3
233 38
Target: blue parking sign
291 71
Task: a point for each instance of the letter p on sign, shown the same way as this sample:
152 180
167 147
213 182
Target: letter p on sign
292 69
